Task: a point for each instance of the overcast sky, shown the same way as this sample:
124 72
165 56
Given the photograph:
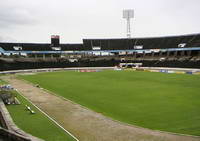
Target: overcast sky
73 20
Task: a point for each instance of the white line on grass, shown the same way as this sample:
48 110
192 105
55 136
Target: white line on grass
49 117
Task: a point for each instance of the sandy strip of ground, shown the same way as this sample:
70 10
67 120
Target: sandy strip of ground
86 124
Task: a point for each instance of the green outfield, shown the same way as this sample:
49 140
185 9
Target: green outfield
2 82
167 102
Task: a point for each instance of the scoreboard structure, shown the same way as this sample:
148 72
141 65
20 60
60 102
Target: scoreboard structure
55 40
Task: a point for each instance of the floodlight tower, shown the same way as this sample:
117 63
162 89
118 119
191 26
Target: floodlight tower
128 14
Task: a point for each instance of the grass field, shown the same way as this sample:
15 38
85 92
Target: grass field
2 82
167 102
36 124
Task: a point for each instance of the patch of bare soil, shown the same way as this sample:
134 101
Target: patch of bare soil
86 124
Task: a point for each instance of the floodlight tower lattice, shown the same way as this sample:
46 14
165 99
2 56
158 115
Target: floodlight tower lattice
128 14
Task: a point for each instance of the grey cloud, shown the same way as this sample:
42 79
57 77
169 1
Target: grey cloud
74 20
15 16
7 39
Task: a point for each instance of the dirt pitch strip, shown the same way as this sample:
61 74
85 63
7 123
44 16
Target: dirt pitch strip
86 124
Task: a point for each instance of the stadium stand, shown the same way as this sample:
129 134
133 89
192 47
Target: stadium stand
173 51
147 43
